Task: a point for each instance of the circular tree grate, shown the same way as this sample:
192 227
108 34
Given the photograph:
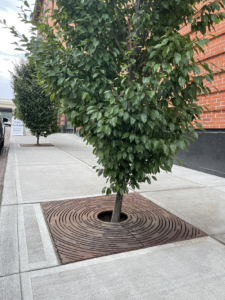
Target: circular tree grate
79 234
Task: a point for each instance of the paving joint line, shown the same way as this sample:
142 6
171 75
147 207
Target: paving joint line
73 156
186 188
214 237
55 200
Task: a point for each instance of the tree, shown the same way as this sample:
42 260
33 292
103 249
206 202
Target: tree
123 72
33 107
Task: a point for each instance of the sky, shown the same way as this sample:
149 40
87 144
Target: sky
9 12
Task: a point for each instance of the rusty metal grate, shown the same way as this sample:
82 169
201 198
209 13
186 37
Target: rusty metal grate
35 145
78 234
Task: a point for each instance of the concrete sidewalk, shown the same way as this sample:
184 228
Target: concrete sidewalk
29 268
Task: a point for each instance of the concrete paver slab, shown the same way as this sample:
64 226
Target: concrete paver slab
11 154
198 177
202 207
43 156
9 190
10 287
166 181
36 249
220 188
58 181
9 256
30 139
172 271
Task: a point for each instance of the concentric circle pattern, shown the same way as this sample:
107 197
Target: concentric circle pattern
78 234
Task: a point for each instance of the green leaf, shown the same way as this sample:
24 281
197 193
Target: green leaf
180 162
181 81
42 27
172 126
143 117
199 126
125 116
208 78
125 135
165 149
156 67
144 139
166 51
217 21
168 68
130 93
114 121
202 42
98 115
60 81
132 137
146 80
196 69
177 57
52 96
95 43
152 54
130 157
150 93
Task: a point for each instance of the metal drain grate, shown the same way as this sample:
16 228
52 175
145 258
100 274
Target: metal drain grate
78 234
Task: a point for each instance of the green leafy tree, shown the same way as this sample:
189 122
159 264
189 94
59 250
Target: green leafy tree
122 70
33 107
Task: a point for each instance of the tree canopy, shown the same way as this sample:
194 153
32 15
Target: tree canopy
33 107
122 70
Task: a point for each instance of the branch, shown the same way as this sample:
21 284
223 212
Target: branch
121 50
118 18
12 29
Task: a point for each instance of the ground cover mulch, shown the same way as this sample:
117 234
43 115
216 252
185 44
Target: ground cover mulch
3 158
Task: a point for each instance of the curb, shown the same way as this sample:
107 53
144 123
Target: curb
3 161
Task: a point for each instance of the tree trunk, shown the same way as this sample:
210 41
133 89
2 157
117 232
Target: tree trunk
38 138
117 208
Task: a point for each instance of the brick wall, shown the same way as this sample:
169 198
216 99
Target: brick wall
215 53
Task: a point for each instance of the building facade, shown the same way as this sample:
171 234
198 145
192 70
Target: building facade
207 154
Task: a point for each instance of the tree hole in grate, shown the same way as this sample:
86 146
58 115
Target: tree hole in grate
106 216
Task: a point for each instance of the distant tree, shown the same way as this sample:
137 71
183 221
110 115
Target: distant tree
123 71
33 107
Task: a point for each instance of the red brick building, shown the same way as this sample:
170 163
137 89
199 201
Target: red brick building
215 53
207 154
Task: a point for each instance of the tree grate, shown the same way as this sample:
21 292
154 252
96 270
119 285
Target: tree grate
78 234
35 145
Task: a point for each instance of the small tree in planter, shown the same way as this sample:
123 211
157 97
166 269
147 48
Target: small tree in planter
33 107
123 72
